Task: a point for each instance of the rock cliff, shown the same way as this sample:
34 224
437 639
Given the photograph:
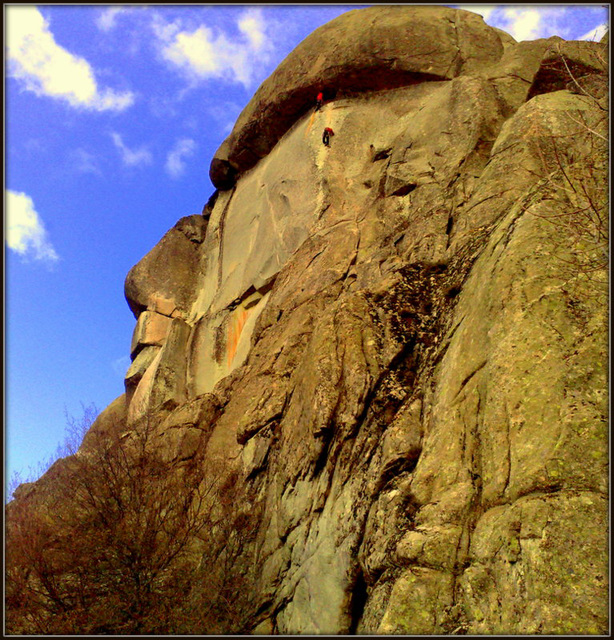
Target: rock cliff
396 345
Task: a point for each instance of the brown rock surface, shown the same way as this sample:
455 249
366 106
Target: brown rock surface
396 346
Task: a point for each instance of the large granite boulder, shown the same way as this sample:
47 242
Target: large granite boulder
362 50
163 281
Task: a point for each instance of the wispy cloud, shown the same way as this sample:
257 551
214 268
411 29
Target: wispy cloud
25 232
595 34
175 161
85 162
47 69
252 25
484 10
131 157
121 365
527 22
204 53
107 17
225 114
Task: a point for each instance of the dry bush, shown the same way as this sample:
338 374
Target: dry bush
125 542
573 179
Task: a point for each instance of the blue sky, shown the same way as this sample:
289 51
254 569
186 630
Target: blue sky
112 115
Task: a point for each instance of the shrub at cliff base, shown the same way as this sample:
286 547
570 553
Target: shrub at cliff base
121 544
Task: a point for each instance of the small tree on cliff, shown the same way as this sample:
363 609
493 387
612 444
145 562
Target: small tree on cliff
117 544
574 178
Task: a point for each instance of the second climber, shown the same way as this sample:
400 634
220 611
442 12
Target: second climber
326 136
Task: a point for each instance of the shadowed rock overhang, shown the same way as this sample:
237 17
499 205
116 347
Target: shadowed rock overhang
363 50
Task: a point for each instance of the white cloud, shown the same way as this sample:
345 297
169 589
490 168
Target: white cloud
194 51
595 34
47 69
252 25
526 22
25 232
106 19
131 157
203 53
484 10
121 366
175 164
523 23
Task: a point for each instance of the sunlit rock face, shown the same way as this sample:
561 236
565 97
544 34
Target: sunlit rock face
362 50
379 338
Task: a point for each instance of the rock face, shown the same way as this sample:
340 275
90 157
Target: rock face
398 343
362 50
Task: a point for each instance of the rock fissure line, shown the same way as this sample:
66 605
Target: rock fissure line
222 222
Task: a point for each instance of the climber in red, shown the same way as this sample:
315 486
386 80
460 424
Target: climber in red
328 132
319 101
